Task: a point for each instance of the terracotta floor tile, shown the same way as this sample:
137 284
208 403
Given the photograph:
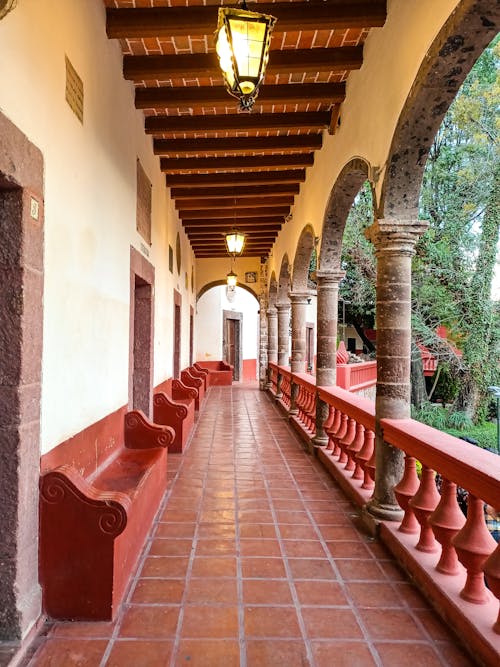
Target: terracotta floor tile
251 547
341 549
266 592
370 594
411 596
158 591
153 654
271 622
267 568
255 516
297 532
408 655
285 653
204 653
153 622
258 530
433 624
217 530
361 570
292 517
309 568
171 547
210 622
70 653
212 591
175 530
391 624
178 516
327 593
340 532
304 549
164 566
215 547
342 654
82 630
454 655
288 504
327 623
208 566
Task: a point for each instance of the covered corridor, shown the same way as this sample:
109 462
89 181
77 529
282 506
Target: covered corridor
256 558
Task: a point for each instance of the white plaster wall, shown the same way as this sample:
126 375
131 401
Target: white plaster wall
90 208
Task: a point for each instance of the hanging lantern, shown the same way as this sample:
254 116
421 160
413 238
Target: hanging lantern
235 241
242 44
231 279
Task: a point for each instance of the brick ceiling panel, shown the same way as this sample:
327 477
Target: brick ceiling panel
168 48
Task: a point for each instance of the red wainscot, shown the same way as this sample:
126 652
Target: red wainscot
95 513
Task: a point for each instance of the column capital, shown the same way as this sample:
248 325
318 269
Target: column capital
299 297
326 278
396 237
272 311
282 307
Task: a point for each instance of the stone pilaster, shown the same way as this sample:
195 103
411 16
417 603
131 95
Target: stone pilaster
272 337
263 342
283 332
297 365
395 246
326 342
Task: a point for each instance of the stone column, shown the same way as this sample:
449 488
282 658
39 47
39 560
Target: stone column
283 332
299 303
272 338
263 342
326 342
395 246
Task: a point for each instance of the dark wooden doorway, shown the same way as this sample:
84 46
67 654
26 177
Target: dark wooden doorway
309 347
232 341
177 334
191 334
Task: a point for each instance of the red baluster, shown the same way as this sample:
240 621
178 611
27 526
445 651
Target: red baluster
492 572
339 435
370 466
329 424
363 457
474 544
345 442
446 521
354 449
423 503
404 491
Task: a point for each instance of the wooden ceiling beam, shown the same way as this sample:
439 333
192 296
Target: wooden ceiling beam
216 96
172 165
196 21
247 191
236 202
236 213
287 61
237 122
240 145
234 179
222 226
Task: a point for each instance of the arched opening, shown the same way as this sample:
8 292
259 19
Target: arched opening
227 326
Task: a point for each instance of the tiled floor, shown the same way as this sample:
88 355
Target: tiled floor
256 560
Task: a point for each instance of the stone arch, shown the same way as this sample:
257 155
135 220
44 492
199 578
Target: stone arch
216 283
302 259
21 326
463 38
273 290
341 199
284 283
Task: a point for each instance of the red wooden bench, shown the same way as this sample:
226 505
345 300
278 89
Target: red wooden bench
94 520
197 383
174 405
219 372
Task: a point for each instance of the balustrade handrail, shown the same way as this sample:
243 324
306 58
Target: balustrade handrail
359 408
471 467
305 379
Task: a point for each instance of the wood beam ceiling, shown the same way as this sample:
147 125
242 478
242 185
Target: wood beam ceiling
165 22
225 167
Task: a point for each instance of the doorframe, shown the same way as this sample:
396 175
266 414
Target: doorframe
21 312
143 271
177 341
238 367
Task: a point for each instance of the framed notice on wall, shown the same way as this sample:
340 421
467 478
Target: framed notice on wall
250 277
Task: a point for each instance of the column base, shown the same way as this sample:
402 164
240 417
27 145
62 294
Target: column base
320 441
384 512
